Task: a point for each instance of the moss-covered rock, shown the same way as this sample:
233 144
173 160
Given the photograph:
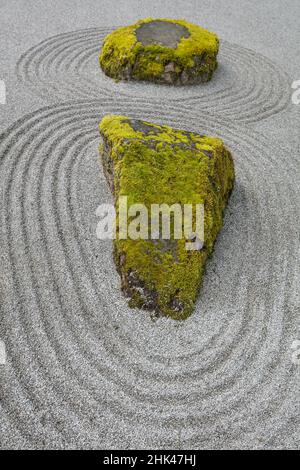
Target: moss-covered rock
161 51
153 164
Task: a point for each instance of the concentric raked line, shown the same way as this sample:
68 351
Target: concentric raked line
247 86
83 369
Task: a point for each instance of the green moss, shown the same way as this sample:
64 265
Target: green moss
123 56
155 164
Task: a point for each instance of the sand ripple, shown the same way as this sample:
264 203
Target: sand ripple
246 87
84 370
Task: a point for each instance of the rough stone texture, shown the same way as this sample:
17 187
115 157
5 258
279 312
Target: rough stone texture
163 33
152 164
173 52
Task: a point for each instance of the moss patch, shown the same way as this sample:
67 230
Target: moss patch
153 164
192 60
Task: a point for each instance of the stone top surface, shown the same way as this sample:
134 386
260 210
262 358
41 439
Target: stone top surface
144 127
163 33
152 163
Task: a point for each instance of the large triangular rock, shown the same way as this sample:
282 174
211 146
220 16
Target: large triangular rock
153 164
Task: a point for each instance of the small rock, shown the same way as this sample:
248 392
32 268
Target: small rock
170 67
131 53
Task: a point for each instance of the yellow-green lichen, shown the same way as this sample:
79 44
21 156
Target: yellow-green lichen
193 60
155 164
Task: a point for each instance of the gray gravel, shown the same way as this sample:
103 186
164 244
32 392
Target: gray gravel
83 370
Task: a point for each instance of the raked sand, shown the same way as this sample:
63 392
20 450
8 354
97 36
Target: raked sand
82 369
